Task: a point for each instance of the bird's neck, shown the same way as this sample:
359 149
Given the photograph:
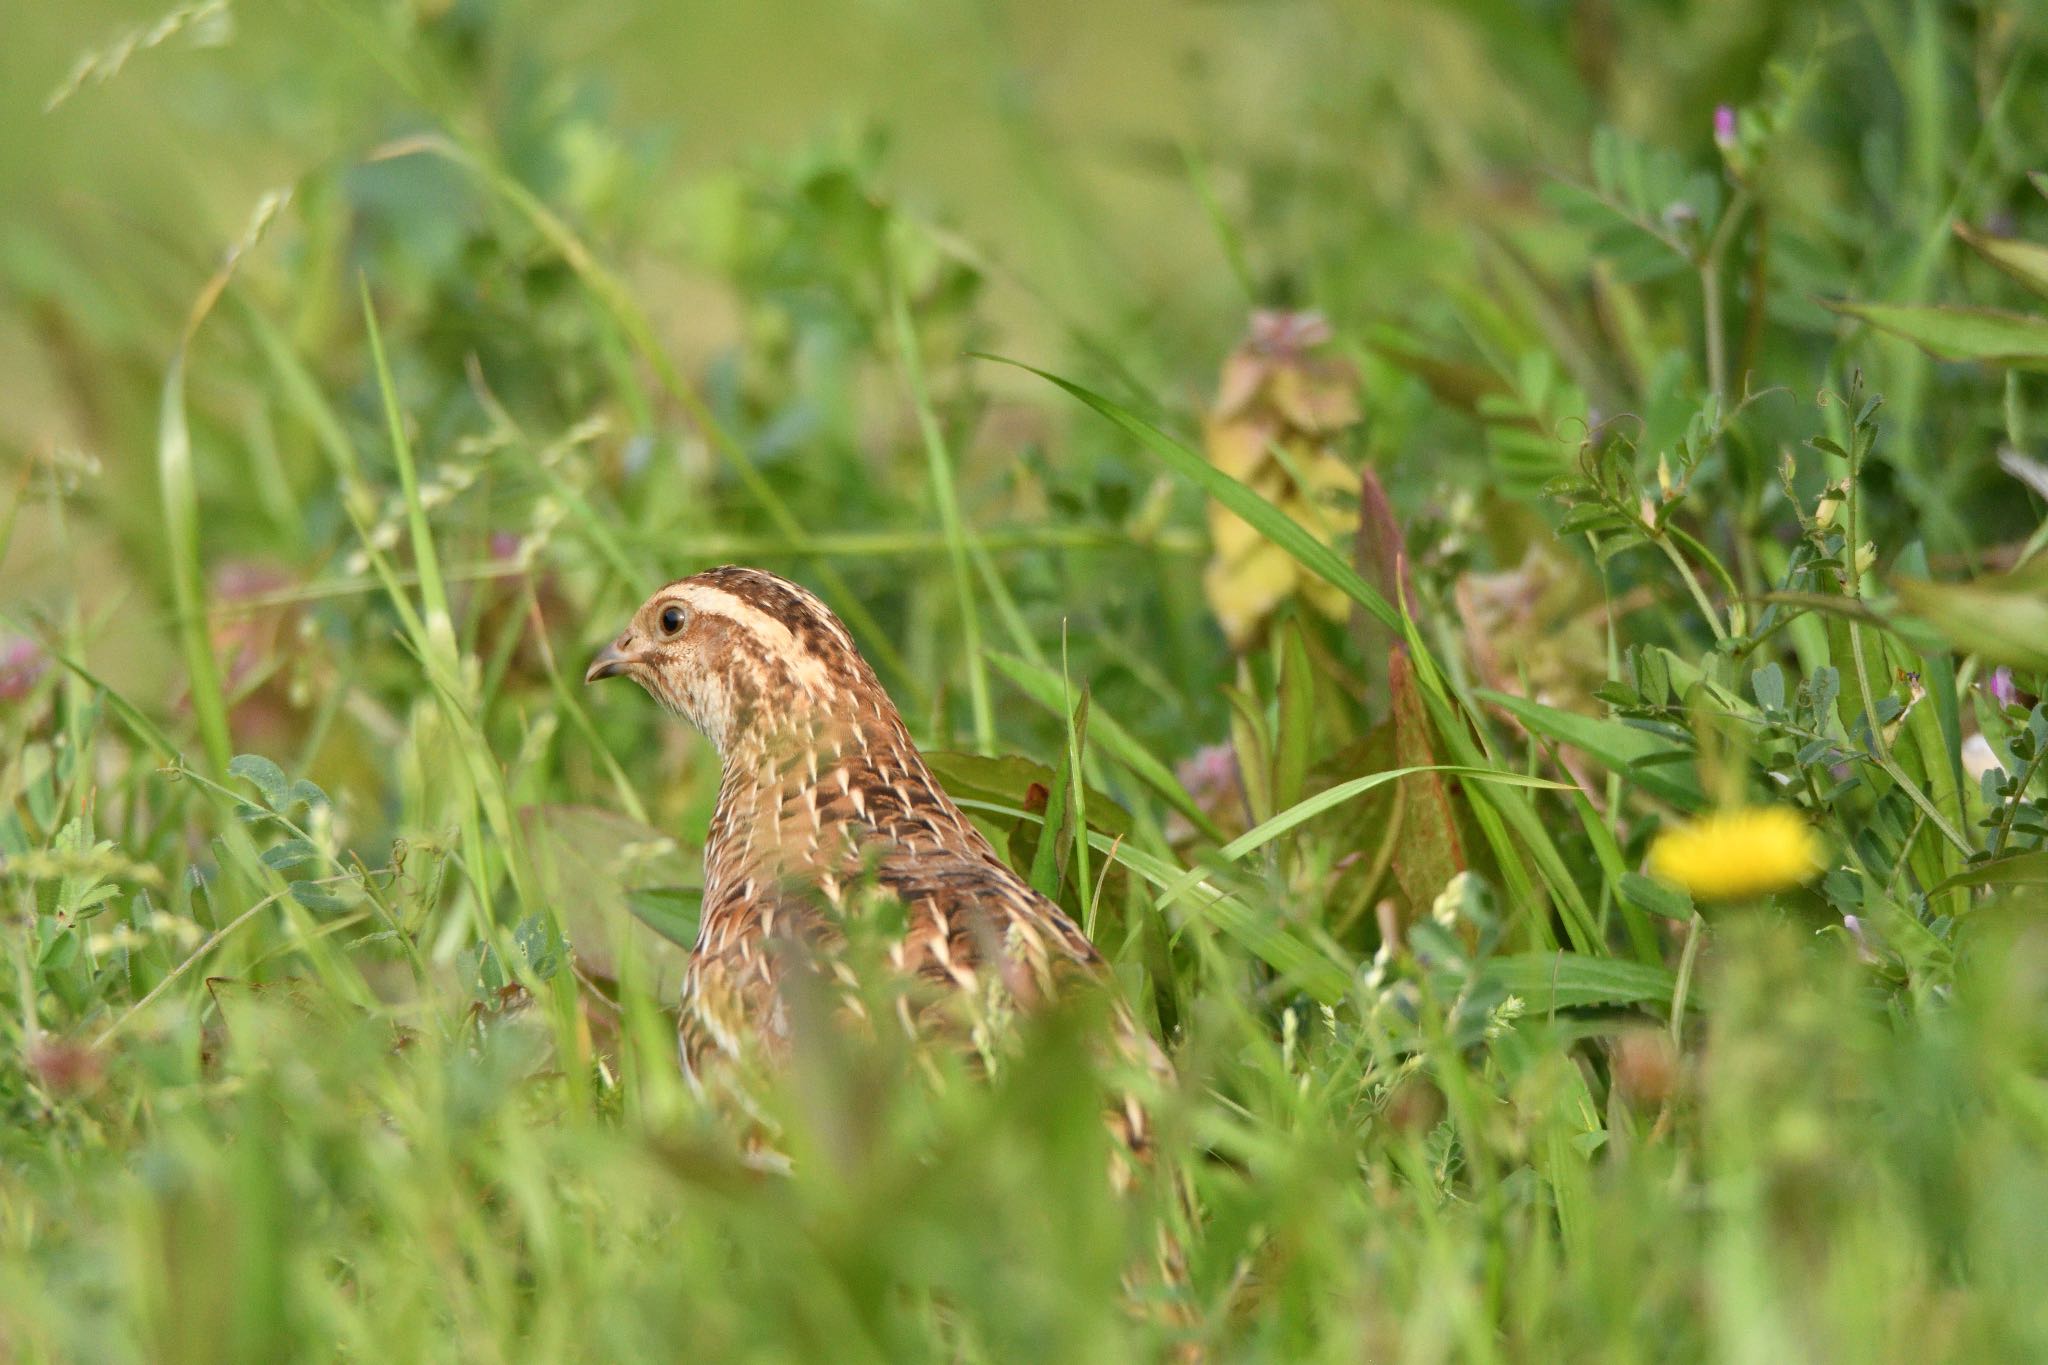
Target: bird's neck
809 795
789 752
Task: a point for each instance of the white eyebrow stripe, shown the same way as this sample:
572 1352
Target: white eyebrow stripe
806 667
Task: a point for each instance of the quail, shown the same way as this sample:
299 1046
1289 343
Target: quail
822 795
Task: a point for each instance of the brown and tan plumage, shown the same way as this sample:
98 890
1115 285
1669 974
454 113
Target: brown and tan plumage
823 797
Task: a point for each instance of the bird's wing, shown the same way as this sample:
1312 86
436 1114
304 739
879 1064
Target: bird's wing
967 916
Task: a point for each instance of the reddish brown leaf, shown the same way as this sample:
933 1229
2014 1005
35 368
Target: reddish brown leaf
1430 852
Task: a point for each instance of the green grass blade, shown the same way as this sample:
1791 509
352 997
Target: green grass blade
1303 811
1048 689
1263 516
939 469
440 636
1314 968
188 583
1047 863
1075 756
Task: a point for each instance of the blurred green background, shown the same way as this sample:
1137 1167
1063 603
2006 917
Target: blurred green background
1110 185
362 365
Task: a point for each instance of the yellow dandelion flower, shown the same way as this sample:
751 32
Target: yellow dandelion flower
1738 853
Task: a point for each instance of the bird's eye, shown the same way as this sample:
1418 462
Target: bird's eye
672 618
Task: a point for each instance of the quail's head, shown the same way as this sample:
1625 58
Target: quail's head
741 653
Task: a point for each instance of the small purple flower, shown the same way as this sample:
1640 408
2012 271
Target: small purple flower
1854 924
2003 690
1724 127
1281 333
1210 773
22 662
504 545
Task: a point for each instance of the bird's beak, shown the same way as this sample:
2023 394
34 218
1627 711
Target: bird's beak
610 662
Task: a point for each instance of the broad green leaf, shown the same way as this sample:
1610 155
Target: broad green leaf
1550 981
1960 333
292 853
2026 262
671 911
2023 869
1768 683
1009 778
1642 758
267 777
2003 619
307 794
589 862
325 897
1655 897
542 944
